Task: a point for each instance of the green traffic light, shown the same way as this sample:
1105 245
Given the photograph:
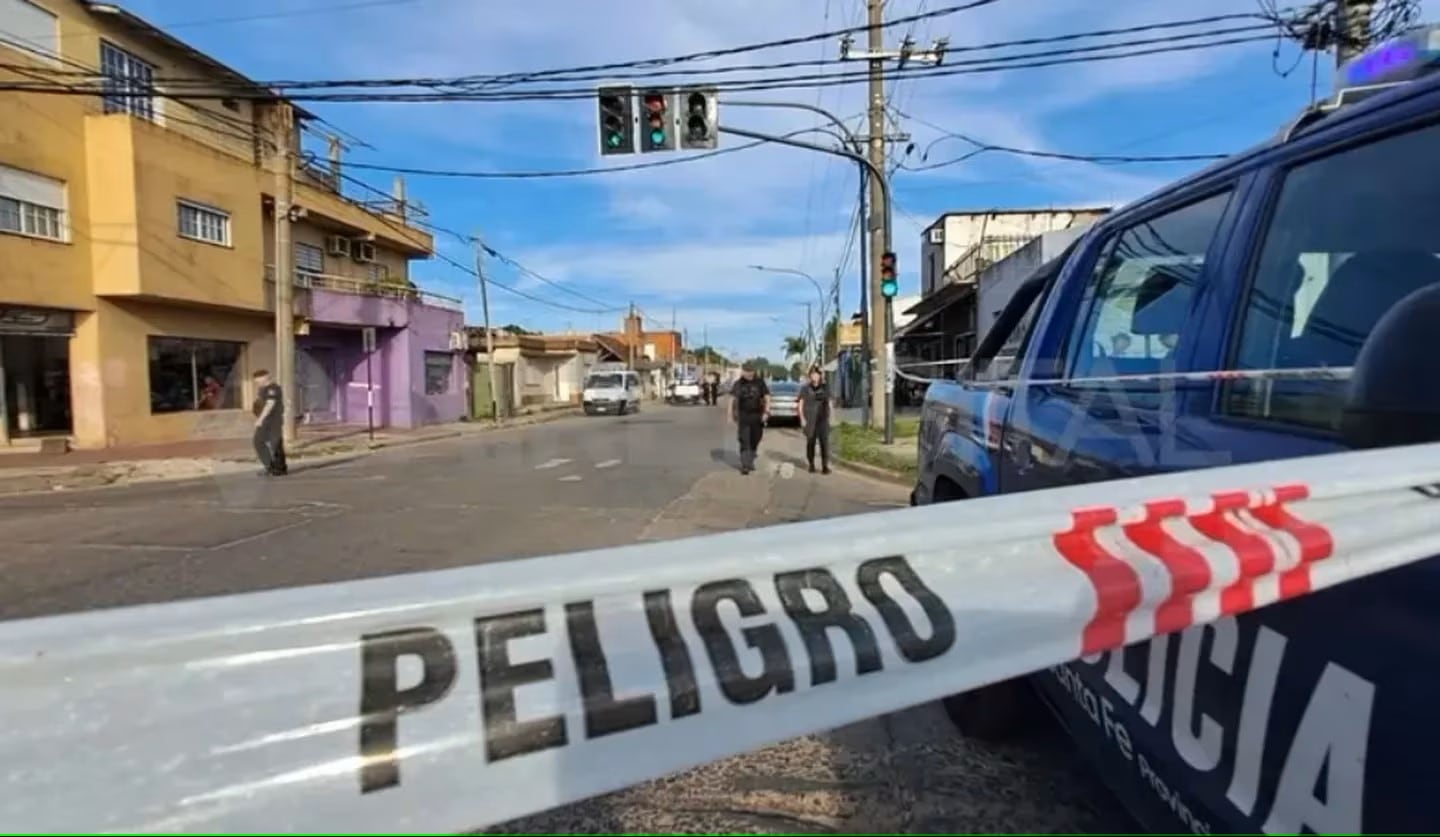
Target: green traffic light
613 140
889 287
657 137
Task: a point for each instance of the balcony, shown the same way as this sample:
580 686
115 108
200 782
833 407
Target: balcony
340 300
982 254
386 219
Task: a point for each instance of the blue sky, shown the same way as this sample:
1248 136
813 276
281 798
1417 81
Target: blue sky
676 241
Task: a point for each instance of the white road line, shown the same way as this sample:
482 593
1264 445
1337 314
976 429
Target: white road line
571 478
554 463
609 463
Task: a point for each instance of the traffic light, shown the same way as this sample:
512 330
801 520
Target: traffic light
617 120
657 121
700 120
889 281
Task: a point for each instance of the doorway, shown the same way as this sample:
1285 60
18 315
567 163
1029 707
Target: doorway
35 385
315 377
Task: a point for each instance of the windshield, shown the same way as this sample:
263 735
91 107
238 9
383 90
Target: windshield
784 388
605 381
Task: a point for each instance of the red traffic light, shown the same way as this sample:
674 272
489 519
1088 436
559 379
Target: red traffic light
655 102
887 265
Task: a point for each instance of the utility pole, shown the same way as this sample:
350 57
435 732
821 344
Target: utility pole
489 335
809 336
879 329
283 167
880 316
1352 27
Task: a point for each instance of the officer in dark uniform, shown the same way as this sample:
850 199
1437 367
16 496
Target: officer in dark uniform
815 418
749 409
269 425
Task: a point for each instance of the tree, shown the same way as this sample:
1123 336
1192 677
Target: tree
796 346
797 371
832 338
707 354
515 329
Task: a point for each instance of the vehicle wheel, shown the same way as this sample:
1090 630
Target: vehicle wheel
991 713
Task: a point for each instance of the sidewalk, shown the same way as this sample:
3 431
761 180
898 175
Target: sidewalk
23 473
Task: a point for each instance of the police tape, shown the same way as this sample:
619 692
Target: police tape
458 699
1309 373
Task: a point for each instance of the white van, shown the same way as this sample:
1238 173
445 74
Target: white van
615 392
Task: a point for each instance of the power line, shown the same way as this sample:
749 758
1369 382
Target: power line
981 147
775 82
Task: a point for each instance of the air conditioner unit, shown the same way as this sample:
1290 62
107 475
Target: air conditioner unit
337 245
363 251
937 235
458 341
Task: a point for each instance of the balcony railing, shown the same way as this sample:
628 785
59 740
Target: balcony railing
982 254
365 287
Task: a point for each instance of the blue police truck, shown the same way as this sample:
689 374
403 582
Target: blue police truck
1309 267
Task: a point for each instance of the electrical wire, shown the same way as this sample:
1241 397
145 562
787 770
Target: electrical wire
1082 54
982 147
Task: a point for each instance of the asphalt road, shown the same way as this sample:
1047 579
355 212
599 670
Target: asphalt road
568 485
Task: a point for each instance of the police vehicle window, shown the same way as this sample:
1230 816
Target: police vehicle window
1351 235
1138 300
1003 365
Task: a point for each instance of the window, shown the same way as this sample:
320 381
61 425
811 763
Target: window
1351 235
190 374
437 372
379 272
30 29
32 204
128 82
1138 300
309 258
203 223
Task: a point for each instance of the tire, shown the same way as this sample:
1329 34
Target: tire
991 713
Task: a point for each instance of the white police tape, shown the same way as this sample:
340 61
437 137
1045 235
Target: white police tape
1309 373
459 699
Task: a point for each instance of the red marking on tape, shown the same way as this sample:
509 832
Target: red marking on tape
1117 585
1188 568
1316 543
1255 554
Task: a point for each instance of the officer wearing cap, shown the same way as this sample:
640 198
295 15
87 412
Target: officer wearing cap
749 409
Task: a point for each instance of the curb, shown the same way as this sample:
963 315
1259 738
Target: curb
873 472
306 462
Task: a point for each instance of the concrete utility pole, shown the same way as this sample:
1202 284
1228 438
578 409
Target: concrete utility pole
879 329
880 318
489 335
282 123
1352 27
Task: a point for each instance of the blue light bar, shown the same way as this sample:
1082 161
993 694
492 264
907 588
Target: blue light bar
1403 58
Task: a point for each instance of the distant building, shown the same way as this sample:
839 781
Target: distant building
958 245
532 370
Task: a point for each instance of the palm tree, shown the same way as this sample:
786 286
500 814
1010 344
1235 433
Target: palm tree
796 346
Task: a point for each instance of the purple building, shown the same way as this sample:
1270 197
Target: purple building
416 373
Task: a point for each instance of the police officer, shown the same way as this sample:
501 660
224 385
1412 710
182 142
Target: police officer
815 419
269 425
749 409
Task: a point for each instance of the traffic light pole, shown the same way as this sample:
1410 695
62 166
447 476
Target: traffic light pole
853 143
887 226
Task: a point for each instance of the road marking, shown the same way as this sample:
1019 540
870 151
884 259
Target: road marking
609 463
553 463
571 478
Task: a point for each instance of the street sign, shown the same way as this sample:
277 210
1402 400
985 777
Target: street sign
367 340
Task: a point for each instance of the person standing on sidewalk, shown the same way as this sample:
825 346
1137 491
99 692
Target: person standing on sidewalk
815 419
270 425
749 409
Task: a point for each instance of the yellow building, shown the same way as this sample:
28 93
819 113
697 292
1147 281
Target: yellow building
137 230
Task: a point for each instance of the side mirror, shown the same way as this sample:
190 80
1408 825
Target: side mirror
1394 396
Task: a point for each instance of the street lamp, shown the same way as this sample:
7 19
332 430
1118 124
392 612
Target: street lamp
819 293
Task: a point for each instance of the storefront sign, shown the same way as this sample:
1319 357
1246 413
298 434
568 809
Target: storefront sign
36 321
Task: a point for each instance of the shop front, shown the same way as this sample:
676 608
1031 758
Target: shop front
34 373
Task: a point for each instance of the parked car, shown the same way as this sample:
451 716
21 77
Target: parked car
784 403
684 391
1316 714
